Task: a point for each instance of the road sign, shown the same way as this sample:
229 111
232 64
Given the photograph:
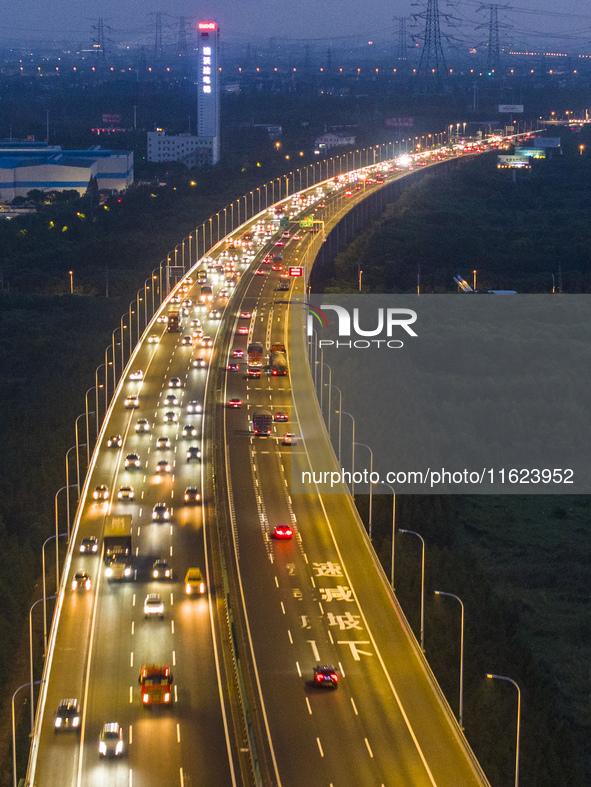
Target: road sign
284 222
295 271
307 222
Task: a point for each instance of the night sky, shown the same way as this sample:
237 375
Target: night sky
564 27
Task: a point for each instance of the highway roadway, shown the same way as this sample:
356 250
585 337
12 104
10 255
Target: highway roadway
316 598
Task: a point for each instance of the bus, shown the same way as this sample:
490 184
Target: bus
173 323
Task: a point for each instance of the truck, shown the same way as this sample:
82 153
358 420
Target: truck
262 423
278 365
117 537
173 323
155 684
255 354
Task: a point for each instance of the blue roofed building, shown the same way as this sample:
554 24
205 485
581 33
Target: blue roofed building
25 166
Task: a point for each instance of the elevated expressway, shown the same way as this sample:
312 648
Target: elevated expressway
319 598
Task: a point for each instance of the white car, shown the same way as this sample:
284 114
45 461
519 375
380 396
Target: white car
132 401
174 382
153 339
194 406
142 426
163 442
111 740
126 493
290 439
153 606
171 417
137 375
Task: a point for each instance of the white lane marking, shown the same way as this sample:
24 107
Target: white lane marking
368 747
178 733
176 696
321 608
182 778
130 734
131 694
171 599
132 627
354 706
330 637
314 648
305 556
283 607
308 704
298 667
174 658
320 747
289 635
130 777
138 530
341 669
131 659
312 581
133 600
276 582
172 626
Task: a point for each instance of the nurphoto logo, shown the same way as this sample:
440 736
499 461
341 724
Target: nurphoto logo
387 321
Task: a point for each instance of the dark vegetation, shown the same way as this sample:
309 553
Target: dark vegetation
519 564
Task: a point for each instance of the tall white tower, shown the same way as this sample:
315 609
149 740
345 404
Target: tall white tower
208 100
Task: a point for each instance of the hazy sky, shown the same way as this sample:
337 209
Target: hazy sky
565 25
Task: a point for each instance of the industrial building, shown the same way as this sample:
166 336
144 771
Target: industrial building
25 166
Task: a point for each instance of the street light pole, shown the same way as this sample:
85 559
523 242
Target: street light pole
339 412
57 557
412 533
370 486
14 779
510 680
459 600
68 485
60 535
39 600
352 453
393 526
329 394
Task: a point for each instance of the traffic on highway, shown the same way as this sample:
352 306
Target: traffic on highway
138 687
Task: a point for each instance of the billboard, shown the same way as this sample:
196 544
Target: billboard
400 122
510 107
513 162
114 119
531 152
547 142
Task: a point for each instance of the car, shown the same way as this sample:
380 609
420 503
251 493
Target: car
163 466
153 339
235 403
137 375
187 341
175 382
171 417
206 341
279 416
115 441
283 286
101 492
194 406
81 581
237 353
189 431
297 237
243 330
283 532
163 442
111 740
131 462
67 716
193 453
187 303
160 513
132 401
289 438
161 569
233 367
279 244
171 400
175 299
325 676
260 272
196 323
153 606
254 372
198 363
89 545
245 315
126 493
286 234
142 426
215 314
277 267
197 333
192 495
194 582
223 294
